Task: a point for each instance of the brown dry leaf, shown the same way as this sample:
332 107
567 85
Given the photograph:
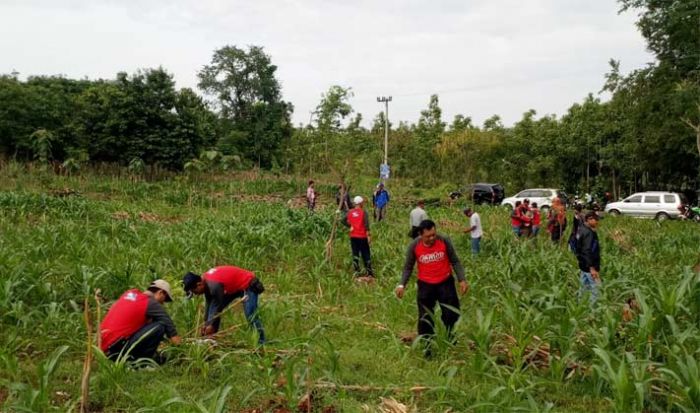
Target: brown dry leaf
696 268
120 215
391 405
365 280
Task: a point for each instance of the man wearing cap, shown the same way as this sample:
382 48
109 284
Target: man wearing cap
137 322
221 286
588 256
436 259
380 199
360 238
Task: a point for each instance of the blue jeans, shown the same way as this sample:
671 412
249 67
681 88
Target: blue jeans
535 230
516 230
476 245
250 309
588 284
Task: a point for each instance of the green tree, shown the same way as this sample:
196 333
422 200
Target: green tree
250 102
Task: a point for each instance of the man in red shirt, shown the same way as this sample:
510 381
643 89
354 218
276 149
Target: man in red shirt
536 219
137 322
436 258
358 222
221 286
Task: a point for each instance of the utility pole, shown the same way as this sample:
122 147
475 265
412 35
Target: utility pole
386 101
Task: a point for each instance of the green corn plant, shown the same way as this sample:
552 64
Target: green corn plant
683 376
628 379
38 398
214 401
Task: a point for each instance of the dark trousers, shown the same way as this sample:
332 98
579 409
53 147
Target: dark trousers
444 293
360 246
415 232
379 213
142 344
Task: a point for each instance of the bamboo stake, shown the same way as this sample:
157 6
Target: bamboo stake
87 364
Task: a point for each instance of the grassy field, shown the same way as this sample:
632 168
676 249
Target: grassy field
524 342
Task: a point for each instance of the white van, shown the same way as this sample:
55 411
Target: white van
659 205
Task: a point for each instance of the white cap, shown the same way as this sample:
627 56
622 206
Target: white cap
357 200
163 285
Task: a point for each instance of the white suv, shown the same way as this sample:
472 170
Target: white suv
543 197
659 205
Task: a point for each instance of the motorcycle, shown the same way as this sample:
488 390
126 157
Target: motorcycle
689 213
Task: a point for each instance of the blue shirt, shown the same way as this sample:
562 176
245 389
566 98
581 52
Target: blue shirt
381 198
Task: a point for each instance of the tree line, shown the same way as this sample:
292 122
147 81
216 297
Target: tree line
646 136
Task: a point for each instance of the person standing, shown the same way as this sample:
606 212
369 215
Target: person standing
136 324
342 198
577 222
417 216
311 197
515 219
436 260
588 256
358 222
525 219
474 229
536 219
380 200
556 220
221 286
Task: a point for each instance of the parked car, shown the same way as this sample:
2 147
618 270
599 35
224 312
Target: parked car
481 193
659 205
543 197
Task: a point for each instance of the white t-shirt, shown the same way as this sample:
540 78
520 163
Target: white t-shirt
418 215
475 221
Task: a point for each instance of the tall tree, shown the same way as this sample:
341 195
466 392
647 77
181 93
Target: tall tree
250 101
430 125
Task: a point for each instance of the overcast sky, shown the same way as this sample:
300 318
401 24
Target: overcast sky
482 57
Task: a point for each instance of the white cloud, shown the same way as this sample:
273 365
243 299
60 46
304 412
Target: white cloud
485 57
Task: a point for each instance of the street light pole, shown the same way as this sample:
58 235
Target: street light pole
386 101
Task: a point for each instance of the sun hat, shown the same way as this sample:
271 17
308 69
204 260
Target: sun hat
163 285
357 200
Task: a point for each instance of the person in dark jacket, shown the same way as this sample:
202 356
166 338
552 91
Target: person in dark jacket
588 255
577 223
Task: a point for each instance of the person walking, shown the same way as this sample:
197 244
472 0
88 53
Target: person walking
360 237
220 287
436 260
136 324
474 229
556 220
588 256
380 200
311 197
417 216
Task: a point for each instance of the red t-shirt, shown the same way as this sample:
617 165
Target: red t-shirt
234 279
433 263
126 316
356 219
536 217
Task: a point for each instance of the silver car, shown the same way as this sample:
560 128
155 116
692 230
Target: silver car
659 205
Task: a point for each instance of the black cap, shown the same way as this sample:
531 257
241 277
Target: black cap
592 215
189 282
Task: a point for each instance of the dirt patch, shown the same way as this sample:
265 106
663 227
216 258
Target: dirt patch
146 217
64 192
408 337
696 268
449 224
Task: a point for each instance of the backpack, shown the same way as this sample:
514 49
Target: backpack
573 241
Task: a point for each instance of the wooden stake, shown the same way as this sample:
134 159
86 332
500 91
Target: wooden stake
87 364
